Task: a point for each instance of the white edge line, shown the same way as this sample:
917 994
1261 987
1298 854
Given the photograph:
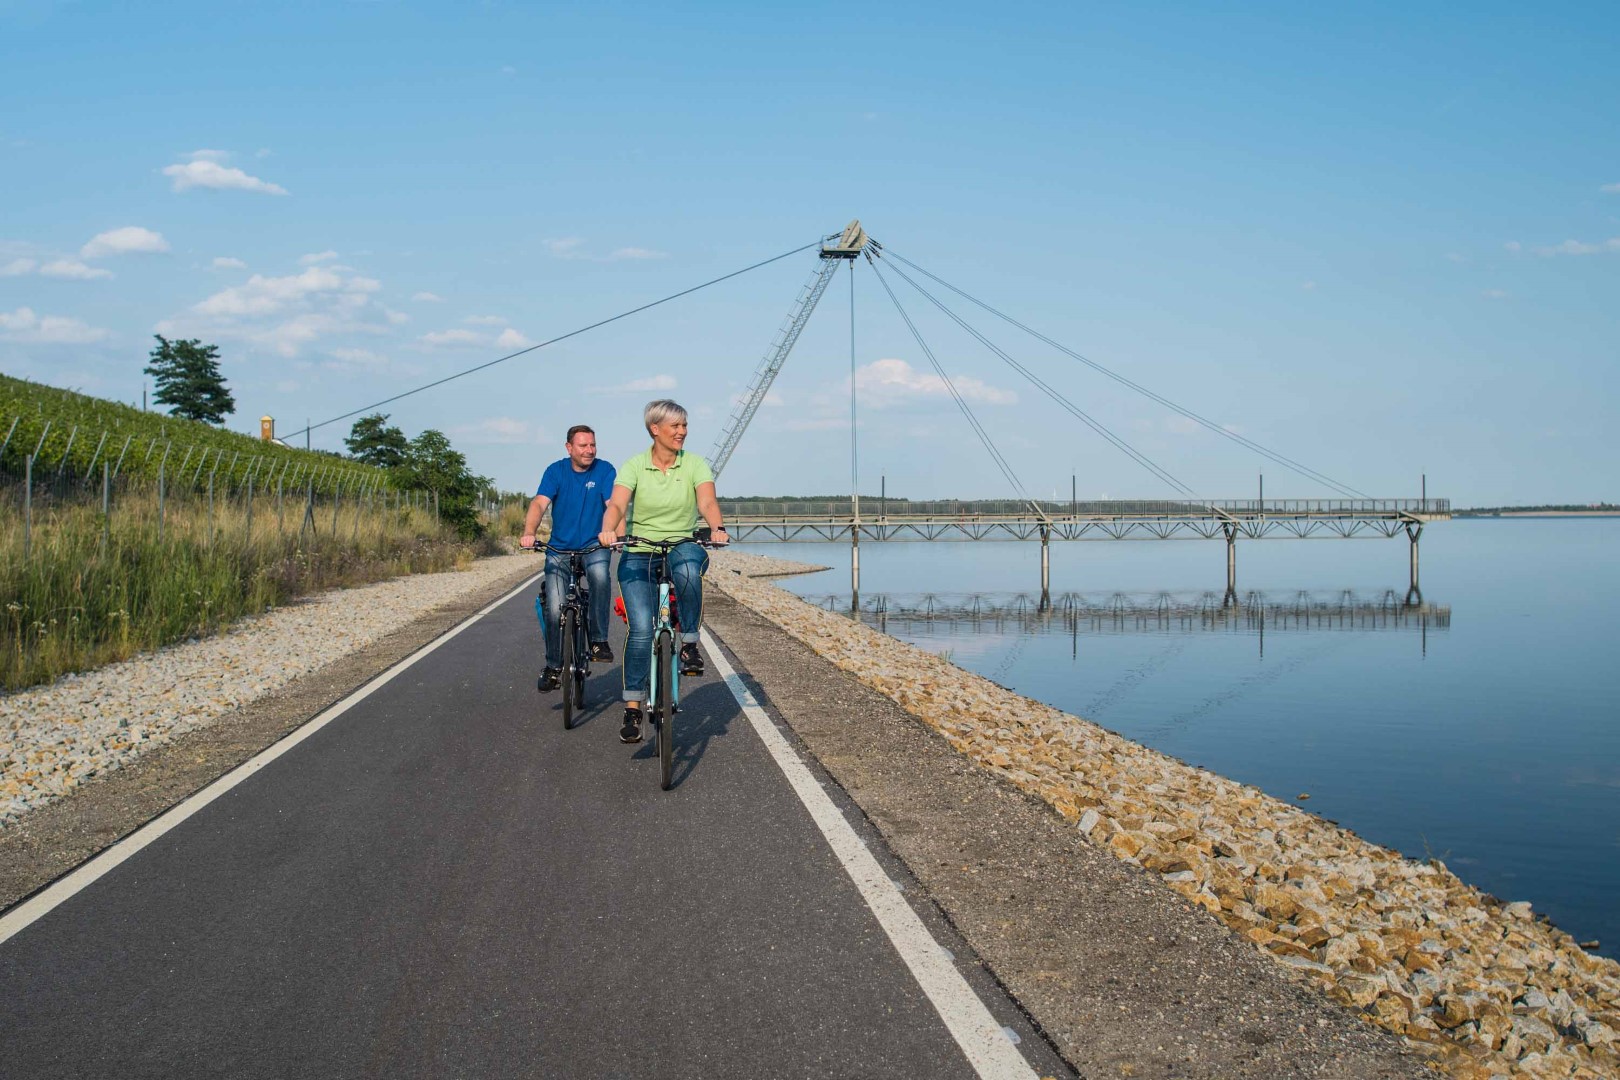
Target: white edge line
25 914
975 1030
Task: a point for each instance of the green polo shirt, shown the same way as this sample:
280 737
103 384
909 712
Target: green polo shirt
663 503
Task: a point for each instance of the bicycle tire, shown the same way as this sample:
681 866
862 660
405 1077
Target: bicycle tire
664 709
582 660
570 662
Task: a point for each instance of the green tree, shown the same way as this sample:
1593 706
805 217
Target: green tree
432 464
376 442
188 380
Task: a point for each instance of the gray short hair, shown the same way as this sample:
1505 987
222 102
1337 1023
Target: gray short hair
658 411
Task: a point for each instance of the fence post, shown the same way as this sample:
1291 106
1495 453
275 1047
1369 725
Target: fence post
90 469
41 444
337 499
28 504
15 420
249 539
121 453
309 510
106 505
210 511
281 520
162 485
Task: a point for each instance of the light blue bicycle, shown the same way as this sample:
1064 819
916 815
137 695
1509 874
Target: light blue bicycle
664 681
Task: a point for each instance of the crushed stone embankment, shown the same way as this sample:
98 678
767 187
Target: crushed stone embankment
1486 986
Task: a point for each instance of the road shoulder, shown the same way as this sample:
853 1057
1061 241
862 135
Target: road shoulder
1120 973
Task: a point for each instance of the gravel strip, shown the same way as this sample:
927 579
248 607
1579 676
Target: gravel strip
56 737
1484 984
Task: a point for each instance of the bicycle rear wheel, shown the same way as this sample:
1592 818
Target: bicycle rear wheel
664 706
582 660
570 621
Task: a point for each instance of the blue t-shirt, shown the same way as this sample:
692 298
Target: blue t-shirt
577 501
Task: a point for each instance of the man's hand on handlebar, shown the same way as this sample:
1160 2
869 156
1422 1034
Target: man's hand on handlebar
528 542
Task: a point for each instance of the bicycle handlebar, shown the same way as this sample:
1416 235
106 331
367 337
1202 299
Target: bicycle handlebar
566 551
665 546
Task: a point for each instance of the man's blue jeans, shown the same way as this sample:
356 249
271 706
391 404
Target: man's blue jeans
558 578
639 586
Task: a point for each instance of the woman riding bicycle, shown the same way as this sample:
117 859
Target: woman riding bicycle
671 488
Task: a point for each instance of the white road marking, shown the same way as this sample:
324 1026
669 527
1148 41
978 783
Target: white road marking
19 918
981 1037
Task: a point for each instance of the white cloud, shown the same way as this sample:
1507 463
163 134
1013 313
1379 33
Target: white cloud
395 318
484 320
1513 245
651 384
573 247
427 298
17 267
225 262
892 382
268 295
74 270
511 339
205 170
496 429
24 325
357 360
1495 294
286 314
457 338
1611 189
1456 257
131 239
1308 286
317 257
1579 247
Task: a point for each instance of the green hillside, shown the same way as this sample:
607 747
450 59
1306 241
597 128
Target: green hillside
86 431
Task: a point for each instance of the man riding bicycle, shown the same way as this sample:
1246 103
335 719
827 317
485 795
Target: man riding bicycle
577 489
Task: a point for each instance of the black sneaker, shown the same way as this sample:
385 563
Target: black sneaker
550 679
631 732
691 659
601 652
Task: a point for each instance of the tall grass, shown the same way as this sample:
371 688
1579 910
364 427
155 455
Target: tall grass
93 590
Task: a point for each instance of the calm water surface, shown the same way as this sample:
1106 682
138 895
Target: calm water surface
1482 729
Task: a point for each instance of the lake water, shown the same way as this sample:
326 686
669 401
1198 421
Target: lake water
1482 728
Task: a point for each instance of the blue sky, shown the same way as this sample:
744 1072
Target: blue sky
1382 241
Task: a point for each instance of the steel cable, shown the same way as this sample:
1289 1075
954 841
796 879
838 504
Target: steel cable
560 337
973 421
1272 455
1073 409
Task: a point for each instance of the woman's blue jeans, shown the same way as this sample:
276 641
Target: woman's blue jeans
639 585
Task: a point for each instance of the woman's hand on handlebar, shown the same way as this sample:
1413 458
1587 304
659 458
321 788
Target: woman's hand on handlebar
607 538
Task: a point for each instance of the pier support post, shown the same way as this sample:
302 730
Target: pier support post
855 568
1414 530
1231 557
1046 562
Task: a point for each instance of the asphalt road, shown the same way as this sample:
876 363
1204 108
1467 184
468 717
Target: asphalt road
443 882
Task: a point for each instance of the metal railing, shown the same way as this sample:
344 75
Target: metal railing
872 507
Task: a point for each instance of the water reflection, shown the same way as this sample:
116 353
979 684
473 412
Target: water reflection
1074 613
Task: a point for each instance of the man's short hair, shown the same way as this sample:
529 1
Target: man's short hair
575 430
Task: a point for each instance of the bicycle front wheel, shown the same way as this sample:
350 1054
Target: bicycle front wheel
570 691
664 708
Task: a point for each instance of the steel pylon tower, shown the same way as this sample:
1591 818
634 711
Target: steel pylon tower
847 245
